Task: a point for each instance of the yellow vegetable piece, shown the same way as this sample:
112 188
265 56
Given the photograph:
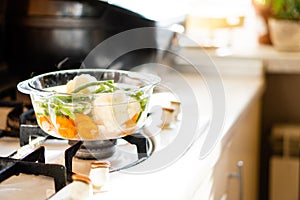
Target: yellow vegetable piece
86 127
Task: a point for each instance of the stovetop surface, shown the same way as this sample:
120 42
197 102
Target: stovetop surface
17 186
20 186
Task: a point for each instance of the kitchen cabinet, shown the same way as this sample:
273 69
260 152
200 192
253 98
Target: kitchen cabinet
244 146
240 144
280 101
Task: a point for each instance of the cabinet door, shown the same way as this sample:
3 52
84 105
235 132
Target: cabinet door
244 146
240 144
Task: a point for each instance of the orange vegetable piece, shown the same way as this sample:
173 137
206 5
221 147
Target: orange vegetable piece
132 122
66 127
45 123
135 117
86 127
130 125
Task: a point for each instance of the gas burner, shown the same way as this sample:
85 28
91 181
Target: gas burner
19 104
95 149
13 118
20 115
122 153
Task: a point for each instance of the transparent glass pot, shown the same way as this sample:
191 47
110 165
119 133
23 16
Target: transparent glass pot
90 104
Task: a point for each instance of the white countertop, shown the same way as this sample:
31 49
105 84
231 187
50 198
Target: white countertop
274 61
181 179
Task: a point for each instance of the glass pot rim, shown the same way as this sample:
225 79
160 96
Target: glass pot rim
27 86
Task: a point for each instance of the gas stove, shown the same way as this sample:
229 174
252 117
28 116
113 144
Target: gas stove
29 158
55 160
35 165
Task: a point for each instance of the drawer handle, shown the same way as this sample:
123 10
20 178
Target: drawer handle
238 175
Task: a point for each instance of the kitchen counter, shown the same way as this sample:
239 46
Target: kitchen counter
183 178
274 61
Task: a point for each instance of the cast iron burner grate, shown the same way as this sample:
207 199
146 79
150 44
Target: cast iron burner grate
143 145
33 164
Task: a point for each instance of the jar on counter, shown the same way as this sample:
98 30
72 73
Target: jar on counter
79 189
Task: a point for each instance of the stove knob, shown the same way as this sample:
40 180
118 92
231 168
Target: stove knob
176 106
99 174
167 117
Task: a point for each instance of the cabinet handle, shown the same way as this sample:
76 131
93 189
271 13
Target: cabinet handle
238 175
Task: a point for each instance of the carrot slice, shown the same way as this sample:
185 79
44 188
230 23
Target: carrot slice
132 122
135 117
66 127
45 123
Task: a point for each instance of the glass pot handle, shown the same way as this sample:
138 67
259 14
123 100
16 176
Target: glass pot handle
23 87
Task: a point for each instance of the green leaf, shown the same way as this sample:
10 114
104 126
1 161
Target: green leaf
285 9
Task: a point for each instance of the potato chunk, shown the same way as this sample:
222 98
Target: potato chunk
79 81
114 111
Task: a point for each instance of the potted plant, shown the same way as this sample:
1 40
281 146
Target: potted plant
263 11
284 24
